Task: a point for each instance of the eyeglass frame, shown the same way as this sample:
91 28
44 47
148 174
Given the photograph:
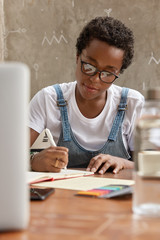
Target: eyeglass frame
97 71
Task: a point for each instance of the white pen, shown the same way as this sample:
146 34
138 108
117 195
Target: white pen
50 138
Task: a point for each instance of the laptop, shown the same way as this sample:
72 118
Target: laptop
14 146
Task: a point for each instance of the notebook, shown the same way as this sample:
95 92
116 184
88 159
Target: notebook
38 177
14 145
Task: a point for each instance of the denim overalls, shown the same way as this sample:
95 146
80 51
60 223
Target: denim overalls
79 157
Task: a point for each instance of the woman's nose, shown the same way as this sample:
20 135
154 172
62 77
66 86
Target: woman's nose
95 77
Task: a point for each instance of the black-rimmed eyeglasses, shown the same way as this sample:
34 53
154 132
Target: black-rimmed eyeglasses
91 70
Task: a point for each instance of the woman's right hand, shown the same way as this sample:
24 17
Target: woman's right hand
51 159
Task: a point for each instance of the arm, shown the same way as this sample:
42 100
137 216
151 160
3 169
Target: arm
33 136
103 162
52 159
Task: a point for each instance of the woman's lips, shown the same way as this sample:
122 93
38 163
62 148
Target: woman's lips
90 88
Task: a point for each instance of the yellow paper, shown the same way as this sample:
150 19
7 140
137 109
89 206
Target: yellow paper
84 183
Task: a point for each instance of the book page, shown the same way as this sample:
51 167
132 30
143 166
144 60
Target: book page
84 183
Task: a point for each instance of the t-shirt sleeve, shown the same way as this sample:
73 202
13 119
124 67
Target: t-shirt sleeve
37 112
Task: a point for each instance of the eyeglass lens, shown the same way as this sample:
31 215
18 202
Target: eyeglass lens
90 70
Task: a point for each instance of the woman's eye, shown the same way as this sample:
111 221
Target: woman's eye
89 68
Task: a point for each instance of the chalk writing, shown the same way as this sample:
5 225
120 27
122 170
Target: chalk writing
153 59
53 38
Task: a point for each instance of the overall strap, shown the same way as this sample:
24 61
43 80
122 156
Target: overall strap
120 115
61 103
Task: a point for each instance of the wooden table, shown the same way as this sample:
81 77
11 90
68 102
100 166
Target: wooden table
64 216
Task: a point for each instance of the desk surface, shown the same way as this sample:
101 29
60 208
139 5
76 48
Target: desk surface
66 216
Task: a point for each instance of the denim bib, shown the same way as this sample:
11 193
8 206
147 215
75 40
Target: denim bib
80 157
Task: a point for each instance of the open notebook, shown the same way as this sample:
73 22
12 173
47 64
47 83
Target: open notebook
37 177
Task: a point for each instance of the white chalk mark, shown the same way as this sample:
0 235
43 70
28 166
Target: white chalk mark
6 33
54 38
23 3
144 86
19 30
153 59
73 3
36 68
108 11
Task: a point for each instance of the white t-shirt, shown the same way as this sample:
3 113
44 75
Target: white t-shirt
90 133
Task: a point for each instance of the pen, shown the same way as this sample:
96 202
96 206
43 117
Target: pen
52 142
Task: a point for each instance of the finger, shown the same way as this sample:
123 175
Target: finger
59 148
54 154
96 162
59 163
117 169
56 163
55 166
105 167
91 163
53 169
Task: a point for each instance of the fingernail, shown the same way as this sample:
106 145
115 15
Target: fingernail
101 171
93 170
88 169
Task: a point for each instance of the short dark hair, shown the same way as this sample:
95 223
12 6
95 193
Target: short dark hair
111 31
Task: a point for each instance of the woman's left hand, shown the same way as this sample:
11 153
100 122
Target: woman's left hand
103 162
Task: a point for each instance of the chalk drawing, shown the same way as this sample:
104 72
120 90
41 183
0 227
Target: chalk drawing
54 38
153 59
73 3
19 30
108 11
6 33
36 68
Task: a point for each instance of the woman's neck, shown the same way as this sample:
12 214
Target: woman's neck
90 108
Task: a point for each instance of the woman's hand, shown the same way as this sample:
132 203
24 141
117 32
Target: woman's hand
103 162
52 159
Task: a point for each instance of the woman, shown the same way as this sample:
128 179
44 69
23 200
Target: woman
92 120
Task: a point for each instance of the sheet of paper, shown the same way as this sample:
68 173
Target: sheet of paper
65 173
84 183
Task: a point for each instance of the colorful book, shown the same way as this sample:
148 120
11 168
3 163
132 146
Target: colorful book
108 191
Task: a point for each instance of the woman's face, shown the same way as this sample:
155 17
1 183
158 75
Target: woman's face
105 58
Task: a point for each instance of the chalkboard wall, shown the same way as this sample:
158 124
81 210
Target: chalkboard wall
43 33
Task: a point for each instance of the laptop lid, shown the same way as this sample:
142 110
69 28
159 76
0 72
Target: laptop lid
14 146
